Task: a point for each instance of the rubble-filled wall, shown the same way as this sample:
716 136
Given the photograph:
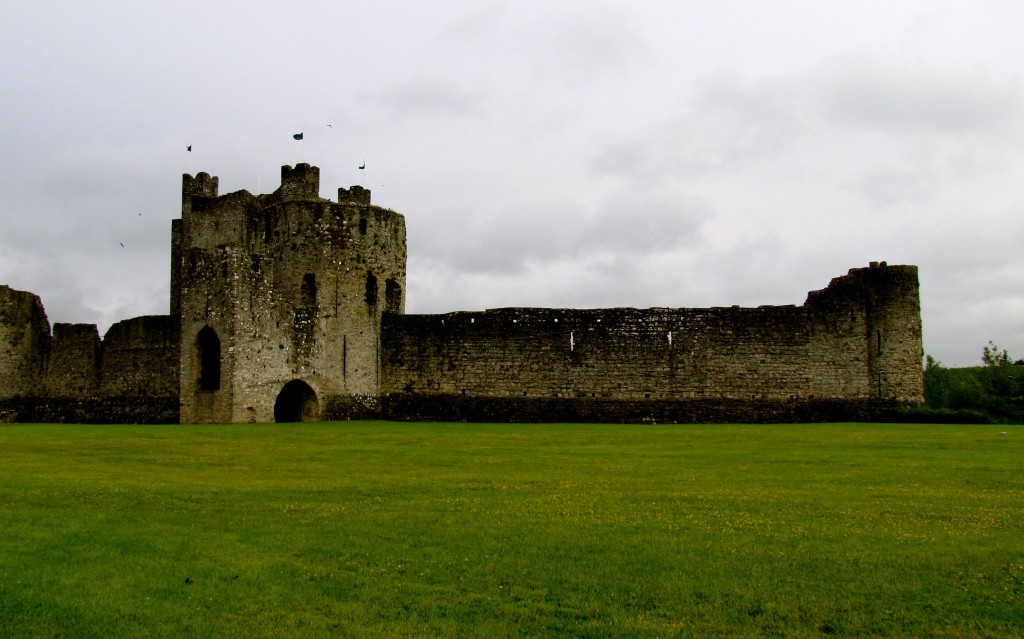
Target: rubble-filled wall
752 364
24 342
140 358
73 367
283 295
73 376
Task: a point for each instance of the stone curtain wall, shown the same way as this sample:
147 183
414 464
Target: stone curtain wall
24 343
613 353
747 364
73 376
73 368
140 358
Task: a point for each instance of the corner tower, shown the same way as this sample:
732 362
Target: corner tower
281 298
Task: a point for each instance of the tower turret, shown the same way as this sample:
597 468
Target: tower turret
301 182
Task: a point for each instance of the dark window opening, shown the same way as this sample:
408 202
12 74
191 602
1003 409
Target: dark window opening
362 226
371 289
209 359
878 335
392 296
309 289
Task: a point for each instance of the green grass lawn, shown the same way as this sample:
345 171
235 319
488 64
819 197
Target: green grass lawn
378 529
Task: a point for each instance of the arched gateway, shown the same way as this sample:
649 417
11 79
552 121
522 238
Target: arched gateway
296 403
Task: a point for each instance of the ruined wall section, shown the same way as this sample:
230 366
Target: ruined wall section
611 353
73 376
73 367
882 342
896 340
139 358
296 286
744 363
24 342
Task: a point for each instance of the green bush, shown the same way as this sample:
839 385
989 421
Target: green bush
995 390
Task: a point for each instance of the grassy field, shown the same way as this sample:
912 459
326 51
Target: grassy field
376 529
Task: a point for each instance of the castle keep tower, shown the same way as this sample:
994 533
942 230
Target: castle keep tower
281 298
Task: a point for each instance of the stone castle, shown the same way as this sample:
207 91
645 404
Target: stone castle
290 307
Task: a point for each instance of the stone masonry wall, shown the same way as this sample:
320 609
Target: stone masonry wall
140 358
24 342
73 368
808 360
293 285
73 376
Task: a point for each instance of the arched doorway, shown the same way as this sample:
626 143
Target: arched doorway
209 359
296 403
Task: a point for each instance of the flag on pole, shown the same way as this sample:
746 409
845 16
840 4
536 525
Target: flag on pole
297 136
189 148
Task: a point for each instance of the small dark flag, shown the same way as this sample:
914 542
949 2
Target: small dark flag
297 136
363 165
189 148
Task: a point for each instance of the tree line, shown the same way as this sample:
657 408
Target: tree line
992 392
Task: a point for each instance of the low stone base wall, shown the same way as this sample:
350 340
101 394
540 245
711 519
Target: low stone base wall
342 407
459 408
92 410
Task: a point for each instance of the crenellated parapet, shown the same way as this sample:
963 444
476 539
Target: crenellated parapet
301 182
202 184
354 194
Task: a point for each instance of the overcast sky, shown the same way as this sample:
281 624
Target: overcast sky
559 153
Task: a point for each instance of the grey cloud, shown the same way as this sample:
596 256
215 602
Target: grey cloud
637 223
432 97
728 124
582 45
904 99
558 154
477 23
896 186
501 240
514 238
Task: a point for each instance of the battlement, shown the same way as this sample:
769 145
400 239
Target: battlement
301 182
202 184
288 306
354 194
